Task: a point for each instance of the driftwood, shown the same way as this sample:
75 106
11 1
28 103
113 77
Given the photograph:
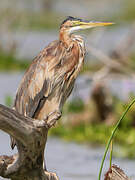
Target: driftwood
31 136
115 173
103 103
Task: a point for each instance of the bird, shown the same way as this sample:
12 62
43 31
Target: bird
50 78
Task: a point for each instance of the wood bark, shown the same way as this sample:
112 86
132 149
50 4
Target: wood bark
115 173
31 136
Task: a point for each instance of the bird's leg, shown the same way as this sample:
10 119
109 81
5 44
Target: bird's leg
52 118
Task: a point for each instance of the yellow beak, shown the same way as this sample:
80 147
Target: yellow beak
80 25
85 25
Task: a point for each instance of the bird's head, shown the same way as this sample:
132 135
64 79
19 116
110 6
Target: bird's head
71 24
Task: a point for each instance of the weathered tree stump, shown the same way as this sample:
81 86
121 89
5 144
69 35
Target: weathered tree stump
31 136
115 173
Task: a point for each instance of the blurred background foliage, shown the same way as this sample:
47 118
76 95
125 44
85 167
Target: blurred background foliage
106 83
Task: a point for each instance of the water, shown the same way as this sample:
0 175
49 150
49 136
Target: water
29 44
9 83
72 161
80 162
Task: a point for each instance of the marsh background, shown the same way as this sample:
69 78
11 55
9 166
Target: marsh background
102 91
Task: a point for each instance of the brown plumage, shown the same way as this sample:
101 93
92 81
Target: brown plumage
51 76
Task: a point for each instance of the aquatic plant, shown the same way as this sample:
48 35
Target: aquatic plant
112 136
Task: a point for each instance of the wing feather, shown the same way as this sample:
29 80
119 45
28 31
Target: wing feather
36 83
50 69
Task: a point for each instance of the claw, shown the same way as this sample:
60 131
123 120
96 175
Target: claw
52 118
49 120
39 123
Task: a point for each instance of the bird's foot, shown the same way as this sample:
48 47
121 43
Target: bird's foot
48 121
52 119
39 123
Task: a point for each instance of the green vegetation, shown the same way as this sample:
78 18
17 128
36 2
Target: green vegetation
129 11
31 20
99 133
88 67
126 13
83 133
41 21
76 105
95 133
8 101
111 138
9 62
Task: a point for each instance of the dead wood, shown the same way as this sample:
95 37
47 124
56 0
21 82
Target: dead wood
31 136
115 173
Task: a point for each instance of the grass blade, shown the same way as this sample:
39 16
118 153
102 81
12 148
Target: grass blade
112 135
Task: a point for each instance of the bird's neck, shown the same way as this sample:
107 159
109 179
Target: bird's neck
65 38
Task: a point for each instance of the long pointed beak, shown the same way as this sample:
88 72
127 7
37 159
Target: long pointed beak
91 24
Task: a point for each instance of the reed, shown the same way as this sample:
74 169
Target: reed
111 137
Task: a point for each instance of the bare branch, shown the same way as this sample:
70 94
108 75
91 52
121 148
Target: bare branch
109 62
16 124
31 136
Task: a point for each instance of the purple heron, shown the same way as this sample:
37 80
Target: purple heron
50 78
